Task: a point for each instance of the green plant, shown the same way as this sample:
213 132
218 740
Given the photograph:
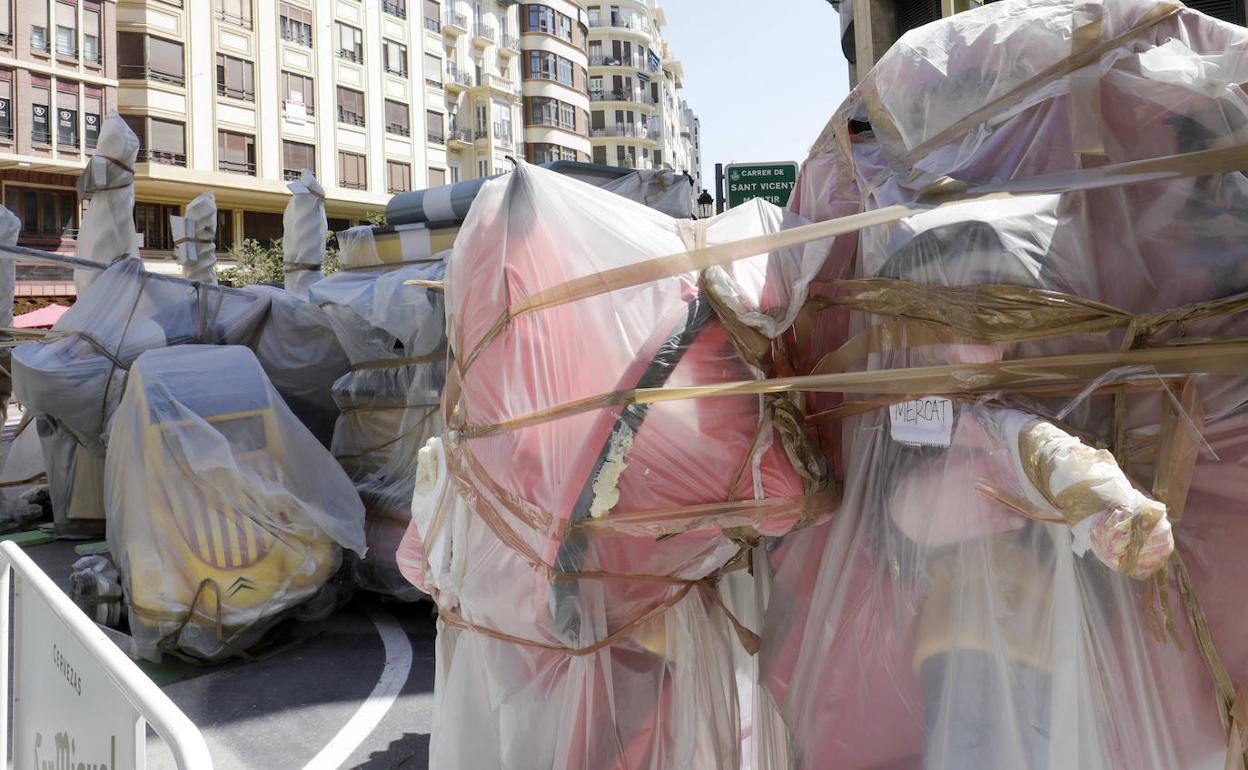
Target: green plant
376 218
258 263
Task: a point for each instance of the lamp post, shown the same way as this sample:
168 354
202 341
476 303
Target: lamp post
706 205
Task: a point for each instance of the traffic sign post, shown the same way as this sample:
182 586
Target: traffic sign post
773 182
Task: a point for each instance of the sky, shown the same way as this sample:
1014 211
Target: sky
763 77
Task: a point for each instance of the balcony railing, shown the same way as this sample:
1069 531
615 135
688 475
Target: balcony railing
398 10
433 25
6 38
502 134
291 174
353 185
606 60
454 23
483 32
351 54
458 77
350 117
633 131
141 72
164 158
39 40
481 133
436 137
635 97
551 121
460 135
398 129
509 42
247 95
635 23
236 19
299 34
237 166
70 144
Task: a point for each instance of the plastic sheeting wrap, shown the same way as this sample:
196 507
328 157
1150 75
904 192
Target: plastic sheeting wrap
660 190
223 512
983 597
573 555
74 378
394 336
107 233
10 225
304 230
195 237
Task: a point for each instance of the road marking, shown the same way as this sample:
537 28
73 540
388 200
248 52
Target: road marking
398 652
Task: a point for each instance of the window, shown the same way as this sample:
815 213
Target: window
142 56
296 24
454 174
297 156
235 78
350 42
151 222
67 114
433 16
166 142
67 30
91 51
234 11
225 230
39 40
544 111
236 152
350 106
262 226
397 8
600 155
298 88
352 171
6 105
483 169
44 213
541 152
395 57
433 70
437 177
93 112
6 22
397 121
398 177
435 123
40 103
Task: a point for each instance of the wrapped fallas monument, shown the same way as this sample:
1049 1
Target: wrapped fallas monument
572 532
1037 403
224 513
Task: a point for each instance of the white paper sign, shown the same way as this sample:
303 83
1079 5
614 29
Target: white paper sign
68 712
927 421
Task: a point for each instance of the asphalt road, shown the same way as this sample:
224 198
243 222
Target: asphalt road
313 704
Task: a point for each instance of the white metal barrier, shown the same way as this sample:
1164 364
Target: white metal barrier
78 700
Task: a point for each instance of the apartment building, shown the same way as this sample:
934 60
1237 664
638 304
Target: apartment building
691 133
634 85
869 27
555 81
477 105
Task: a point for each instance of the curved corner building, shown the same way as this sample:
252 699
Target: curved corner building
554 76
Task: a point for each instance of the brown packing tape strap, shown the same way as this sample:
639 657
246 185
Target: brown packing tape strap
1221 357
38 478
1085 84
390 363
299 267
180 241
116 162
1171 167
1085 57
438 286
1178 448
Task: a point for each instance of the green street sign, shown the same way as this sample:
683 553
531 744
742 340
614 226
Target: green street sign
773 182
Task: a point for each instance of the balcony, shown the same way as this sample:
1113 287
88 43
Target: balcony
241 94
351 54
350 117
162 157
142 72
604 60
635 24
398 129
459 138
508 45
457 80
436 137
624 130
395 9
480 133
247 167
483 36
454 24
631 97
237 20
499 85
433 25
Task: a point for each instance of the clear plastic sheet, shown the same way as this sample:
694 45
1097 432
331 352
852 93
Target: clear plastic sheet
394 337
946 618
107 233
663 191
195 237
304 230
573 559
223 512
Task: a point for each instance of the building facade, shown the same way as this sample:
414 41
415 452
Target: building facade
476 106
554 68
869 27
691 132
634 84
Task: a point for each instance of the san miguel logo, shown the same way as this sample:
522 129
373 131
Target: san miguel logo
62 754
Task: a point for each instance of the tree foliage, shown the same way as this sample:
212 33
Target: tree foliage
257 263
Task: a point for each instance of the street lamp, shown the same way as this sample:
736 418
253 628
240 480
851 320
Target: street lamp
706 205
